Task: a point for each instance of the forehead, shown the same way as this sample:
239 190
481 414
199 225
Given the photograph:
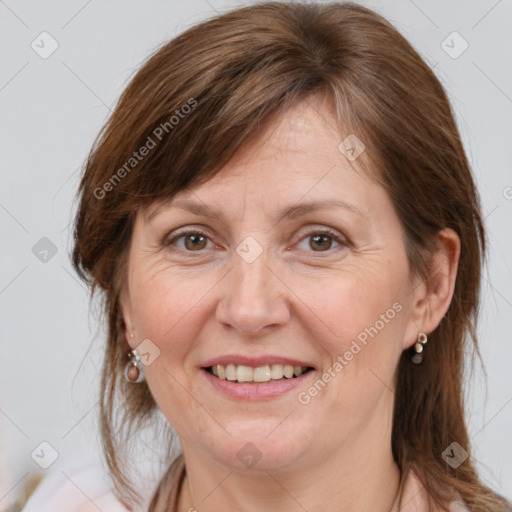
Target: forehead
297 155
304 131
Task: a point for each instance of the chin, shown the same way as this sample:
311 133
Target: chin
261 445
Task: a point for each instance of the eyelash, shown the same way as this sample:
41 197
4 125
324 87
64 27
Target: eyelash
324 231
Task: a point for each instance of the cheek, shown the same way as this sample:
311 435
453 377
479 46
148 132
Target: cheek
164 313
167 310
357 304
365 315
365 311
165 306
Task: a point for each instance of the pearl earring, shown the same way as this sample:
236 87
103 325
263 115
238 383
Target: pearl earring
417 358
133 371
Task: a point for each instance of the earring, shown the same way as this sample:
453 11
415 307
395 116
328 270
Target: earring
133 371
417 358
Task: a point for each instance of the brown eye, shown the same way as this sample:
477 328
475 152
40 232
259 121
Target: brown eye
195 241
187 242
320 242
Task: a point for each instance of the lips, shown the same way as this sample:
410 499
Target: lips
252 383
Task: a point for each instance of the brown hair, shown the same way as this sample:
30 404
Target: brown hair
236 72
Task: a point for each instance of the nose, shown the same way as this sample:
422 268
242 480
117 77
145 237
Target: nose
254 299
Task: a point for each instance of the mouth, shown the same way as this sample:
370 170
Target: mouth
265 374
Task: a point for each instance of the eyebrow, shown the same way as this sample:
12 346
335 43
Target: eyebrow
291 212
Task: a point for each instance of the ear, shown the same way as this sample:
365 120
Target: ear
127 317
432 296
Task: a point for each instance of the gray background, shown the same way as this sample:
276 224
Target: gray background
51 110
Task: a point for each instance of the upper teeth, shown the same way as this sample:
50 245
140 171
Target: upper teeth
265 373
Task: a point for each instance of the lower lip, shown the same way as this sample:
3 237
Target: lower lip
252 391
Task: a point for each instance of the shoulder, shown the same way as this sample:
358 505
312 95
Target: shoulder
84 489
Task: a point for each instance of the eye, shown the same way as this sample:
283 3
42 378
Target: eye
194 241
322 240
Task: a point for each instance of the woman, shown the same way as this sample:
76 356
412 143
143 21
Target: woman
283 224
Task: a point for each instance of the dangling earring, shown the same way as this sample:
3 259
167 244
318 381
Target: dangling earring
417 358
133 371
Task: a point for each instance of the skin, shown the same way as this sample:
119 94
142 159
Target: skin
302 297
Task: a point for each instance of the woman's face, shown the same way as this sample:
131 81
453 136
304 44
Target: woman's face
326 286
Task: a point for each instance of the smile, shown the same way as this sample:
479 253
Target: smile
259 374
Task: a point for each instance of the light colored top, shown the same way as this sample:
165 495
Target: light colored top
81 490
87 490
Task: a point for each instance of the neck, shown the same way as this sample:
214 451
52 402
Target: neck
359 475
